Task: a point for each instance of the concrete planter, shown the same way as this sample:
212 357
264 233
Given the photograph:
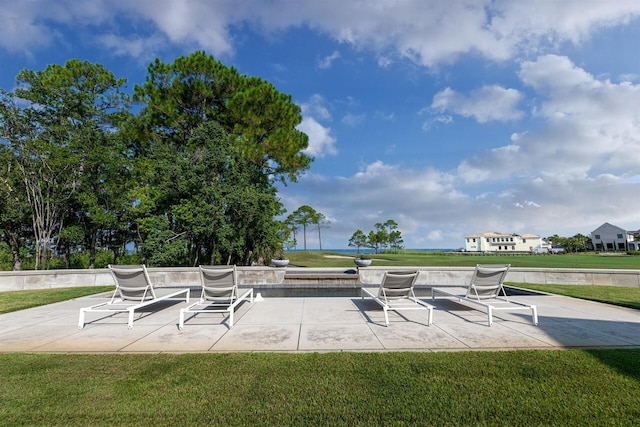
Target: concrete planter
362 262
279 262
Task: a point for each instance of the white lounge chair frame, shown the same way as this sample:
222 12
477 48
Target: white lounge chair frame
486 290
133 292
395 291
219 294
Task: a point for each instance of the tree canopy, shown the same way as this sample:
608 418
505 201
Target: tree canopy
385 236
186 179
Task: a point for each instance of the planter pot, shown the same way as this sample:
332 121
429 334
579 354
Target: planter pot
279 262
362 262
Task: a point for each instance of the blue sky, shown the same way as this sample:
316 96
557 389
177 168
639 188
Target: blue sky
451 118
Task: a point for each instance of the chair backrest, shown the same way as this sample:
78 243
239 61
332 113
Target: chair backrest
219 283
397 284
132 282
487 281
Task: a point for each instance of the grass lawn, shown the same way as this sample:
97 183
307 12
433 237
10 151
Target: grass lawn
21 300
625 297
600 387
435 259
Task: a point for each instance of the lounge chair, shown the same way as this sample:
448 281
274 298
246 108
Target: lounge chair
486 290
219 294
133 292
396 293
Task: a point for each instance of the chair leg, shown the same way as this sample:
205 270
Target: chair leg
490 315
181 322
130 322
386 316
231 318
534 314
81 319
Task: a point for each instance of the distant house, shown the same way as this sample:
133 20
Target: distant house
501 242
609 237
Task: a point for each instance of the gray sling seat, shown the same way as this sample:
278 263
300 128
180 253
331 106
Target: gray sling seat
396 293
133 292
486 290
219 294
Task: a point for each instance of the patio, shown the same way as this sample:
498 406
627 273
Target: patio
320 324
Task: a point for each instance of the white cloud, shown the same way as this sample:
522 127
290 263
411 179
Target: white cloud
316 106
489 103
321 142
589 126
141 48
327 61
353 120
384 61
385 116
429 32
439 119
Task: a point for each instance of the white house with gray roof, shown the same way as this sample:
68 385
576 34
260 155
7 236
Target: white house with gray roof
609 237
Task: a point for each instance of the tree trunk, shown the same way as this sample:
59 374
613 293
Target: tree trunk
14 244
304 231
93 238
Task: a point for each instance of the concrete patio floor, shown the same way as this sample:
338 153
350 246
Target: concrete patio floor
320 324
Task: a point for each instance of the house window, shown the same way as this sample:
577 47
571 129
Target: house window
596 236
619 236
524 240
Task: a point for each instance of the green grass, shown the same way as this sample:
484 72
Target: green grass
600 387
431 259
625 297
21 300
575 387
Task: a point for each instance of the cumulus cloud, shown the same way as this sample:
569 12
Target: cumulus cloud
488 103
321 142
589 126
316 106
428 32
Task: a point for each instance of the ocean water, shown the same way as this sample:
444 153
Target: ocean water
352 251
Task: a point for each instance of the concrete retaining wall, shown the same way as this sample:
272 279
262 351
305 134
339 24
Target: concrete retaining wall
454 276
323 277
161 277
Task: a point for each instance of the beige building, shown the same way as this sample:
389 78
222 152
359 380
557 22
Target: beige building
501 242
